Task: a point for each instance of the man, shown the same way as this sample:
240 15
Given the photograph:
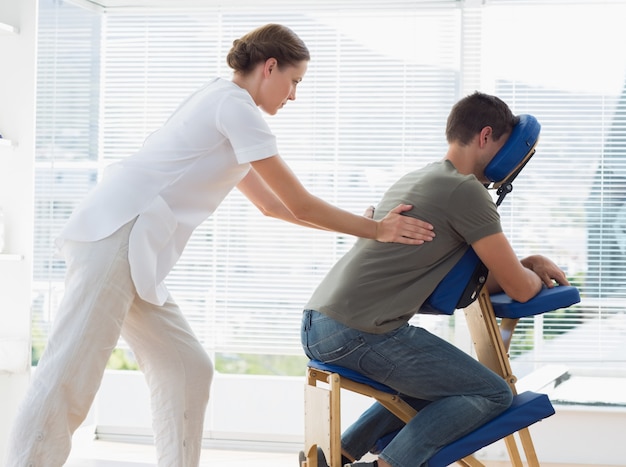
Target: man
358 316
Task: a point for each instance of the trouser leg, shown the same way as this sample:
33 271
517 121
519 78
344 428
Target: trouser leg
178 372
464 393
376 422
98 293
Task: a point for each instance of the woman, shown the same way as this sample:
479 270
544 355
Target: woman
123 240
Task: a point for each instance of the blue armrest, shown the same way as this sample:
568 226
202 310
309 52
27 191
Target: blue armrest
463 283
557 297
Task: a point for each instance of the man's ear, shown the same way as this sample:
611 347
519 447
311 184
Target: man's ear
485 134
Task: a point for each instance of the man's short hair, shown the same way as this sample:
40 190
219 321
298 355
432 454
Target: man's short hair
473 113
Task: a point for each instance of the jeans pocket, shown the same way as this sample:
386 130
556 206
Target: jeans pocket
328 340
341 349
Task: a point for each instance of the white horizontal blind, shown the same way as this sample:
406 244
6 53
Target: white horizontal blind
67 156
560 62
364 113
373 105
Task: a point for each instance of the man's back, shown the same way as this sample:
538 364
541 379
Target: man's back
376 287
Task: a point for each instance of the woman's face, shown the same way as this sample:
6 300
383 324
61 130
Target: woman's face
279 85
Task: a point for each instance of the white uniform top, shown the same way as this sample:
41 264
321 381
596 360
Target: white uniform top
175 181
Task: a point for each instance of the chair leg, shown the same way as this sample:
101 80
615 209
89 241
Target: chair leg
322 421
491 343
529 448
470 461
507 328
481 321
335 422
392 402
514 455
311 457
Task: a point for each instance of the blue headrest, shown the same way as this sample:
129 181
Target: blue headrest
516 151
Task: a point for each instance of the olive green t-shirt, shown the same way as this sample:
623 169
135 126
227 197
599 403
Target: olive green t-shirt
377 287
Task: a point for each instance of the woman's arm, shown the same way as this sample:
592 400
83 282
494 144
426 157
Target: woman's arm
256 190
303 208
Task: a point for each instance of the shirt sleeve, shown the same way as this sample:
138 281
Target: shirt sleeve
241 122
475 214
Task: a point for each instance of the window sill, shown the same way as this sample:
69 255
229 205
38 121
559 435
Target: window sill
8 29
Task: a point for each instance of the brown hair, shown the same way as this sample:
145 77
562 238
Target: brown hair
476 111
269 41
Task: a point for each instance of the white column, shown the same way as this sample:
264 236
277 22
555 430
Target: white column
18 21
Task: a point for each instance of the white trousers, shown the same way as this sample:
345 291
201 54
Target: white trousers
99 305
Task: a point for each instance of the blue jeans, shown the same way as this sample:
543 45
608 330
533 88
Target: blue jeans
454 393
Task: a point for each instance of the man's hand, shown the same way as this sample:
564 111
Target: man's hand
546 269
395 227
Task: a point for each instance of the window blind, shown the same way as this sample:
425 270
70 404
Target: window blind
568 203
372 106
66 158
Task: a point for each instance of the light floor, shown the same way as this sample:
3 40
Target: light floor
88 452
114 454
97 453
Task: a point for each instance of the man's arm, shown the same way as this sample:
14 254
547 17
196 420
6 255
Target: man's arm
519 279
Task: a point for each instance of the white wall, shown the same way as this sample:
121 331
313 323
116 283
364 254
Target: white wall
265 409
17 123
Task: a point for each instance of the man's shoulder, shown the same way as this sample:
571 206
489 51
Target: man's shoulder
431 171
442 177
